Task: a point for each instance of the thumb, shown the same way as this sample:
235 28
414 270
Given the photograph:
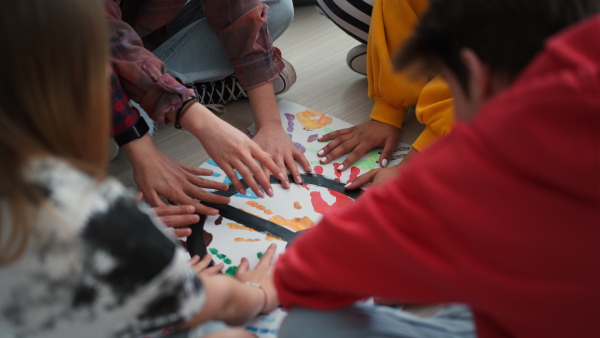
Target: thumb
361 180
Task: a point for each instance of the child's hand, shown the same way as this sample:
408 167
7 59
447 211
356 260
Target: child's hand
380 176
358 140
156 174
262 274
232 150
276 142
375 176
201 266
177 217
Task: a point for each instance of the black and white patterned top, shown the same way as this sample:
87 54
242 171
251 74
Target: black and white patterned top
96 265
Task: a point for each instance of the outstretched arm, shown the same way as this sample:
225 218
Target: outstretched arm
382 175
242 29
156 175
237 300
231 150
400 240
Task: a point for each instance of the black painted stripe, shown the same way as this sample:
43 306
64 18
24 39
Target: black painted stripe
195 242
253 222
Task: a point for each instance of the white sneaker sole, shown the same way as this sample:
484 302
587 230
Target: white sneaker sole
357 59
286 78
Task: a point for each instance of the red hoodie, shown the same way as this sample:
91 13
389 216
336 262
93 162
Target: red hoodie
503 214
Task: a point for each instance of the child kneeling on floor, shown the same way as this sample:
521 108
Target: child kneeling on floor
502 215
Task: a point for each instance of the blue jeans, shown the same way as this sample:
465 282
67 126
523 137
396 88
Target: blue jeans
367 320
192 51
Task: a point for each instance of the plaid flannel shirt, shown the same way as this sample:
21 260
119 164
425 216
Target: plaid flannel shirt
124 116
141 76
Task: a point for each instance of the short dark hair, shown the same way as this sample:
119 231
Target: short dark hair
505 34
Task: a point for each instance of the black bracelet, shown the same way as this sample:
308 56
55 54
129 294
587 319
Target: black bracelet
182 110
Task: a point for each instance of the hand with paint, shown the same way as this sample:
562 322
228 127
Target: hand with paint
380 176
272 138
277 143
156 174
262 277
375 176
237 300
232 150
358 140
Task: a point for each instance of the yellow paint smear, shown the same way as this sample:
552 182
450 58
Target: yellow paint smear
259 207
311 119
295 223
239 239
297 205
237 226
273 238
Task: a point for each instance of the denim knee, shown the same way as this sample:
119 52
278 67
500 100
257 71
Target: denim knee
281 14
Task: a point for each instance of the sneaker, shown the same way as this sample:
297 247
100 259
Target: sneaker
357 59
286 78
216 94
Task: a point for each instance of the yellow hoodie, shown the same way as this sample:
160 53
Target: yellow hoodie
392 22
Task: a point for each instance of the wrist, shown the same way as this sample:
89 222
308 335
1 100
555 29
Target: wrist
265 298
411 153
137 131
197 118
136 145
267 126
182 110
138 149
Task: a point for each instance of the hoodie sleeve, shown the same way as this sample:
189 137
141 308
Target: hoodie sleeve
392 22
435 110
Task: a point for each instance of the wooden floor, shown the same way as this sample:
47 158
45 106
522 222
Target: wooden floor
317 50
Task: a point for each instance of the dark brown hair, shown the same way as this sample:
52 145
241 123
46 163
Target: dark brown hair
505 34
53 100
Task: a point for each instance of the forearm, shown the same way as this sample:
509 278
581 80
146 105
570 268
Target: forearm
228 300
140 72
411 153
196 119
264 107
137 150
340 260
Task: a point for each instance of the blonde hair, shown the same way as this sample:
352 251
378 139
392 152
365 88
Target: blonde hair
53 99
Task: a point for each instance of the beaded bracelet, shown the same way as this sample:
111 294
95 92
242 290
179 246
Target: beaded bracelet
256 285
184 107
